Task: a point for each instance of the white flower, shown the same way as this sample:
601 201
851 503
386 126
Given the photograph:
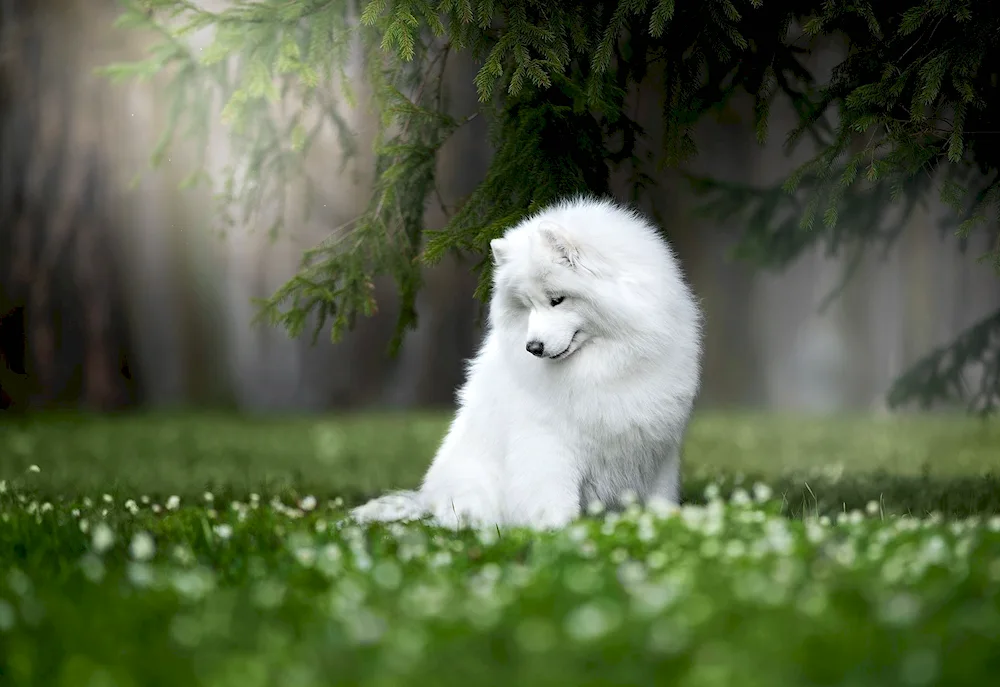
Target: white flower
103 538
208 496
592 621
183 555
34 468
223 531
6 616
131 506
173 502
307 503
140 574
740 497
762 492
107 498
3 486
142 547
305 555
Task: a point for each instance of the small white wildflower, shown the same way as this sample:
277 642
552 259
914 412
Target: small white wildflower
182 555
735 548
139 574
75 512
440 559
712 492
3 486
34 468
592 621
107 498
307 503
872 507
762 492
46 507
631 573
577 533
103 538
92 567
155 508
208 496
173 502
595 507
142 547
994 524
144 499
387 575
740 497
305 555
87 503
900 611
656 560
131 506
84 525
661 508
6 616
223 531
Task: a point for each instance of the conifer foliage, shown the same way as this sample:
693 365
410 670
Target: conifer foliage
908 112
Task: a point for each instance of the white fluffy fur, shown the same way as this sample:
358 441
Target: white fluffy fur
602 412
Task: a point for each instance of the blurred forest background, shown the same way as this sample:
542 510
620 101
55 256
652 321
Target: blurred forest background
115 296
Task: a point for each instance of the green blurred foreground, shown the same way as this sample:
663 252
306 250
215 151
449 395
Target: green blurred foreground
212 551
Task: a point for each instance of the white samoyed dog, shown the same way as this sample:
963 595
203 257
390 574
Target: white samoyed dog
581 391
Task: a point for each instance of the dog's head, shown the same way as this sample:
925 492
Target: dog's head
542 290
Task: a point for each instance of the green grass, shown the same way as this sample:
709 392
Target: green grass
874 560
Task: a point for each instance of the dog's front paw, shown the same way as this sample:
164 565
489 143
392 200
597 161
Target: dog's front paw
392 507
457 514
552 518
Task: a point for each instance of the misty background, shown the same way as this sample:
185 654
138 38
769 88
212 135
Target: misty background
115 295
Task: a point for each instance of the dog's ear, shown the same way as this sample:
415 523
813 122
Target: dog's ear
555 238
499 249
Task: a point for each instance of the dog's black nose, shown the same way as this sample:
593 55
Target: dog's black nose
535 348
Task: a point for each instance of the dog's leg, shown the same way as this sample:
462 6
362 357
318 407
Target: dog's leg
391 507
462 490
543 489
667 485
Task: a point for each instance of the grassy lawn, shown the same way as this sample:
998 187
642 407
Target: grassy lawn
212 550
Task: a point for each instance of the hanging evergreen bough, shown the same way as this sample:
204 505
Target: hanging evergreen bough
908 112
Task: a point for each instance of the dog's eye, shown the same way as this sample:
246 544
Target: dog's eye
556 301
